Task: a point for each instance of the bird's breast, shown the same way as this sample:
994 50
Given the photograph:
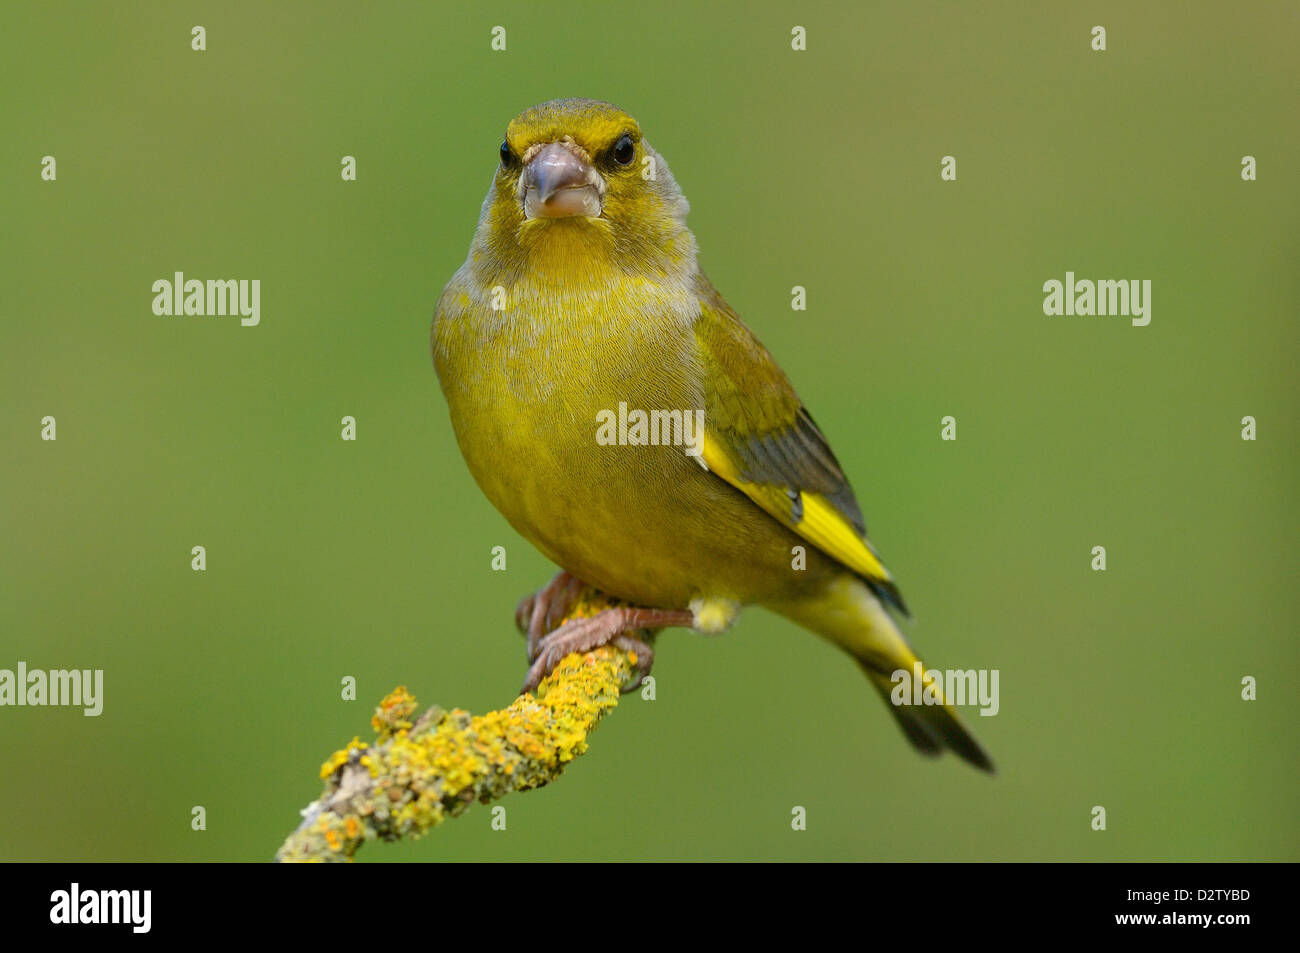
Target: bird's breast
530 388
544 396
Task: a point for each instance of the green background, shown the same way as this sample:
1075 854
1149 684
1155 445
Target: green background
819 168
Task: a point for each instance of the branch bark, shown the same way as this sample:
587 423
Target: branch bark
416 774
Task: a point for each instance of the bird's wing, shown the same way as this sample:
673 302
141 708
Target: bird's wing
760 439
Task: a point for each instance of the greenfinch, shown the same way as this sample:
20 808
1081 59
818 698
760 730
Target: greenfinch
626 422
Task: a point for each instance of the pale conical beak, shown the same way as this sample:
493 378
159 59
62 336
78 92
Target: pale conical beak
558 184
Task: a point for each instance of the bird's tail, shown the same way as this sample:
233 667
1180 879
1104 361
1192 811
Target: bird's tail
930 728
850 616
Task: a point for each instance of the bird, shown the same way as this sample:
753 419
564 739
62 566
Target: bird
580 313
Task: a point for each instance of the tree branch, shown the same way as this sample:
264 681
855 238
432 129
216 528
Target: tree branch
416 774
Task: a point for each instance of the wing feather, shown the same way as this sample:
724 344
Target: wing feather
761 440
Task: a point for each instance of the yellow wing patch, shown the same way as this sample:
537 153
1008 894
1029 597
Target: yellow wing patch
810 515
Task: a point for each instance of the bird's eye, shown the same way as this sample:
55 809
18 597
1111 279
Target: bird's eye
624 151
507 157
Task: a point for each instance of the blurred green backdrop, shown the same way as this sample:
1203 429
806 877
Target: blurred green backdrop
819 168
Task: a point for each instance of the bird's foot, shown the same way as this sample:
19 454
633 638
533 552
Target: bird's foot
608 627
542 611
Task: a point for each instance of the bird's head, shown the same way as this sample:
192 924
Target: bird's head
578 170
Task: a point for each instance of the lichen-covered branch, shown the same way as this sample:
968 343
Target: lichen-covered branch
417 773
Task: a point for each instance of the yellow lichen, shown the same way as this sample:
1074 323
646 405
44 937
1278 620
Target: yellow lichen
340 757
425 770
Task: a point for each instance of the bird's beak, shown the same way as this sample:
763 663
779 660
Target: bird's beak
558 184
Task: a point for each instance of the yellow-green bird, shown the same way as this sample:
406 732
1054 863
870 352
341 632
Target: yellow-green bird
581 314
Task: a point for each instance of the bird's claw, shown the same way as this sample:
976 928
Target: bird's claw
542 611
609 627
